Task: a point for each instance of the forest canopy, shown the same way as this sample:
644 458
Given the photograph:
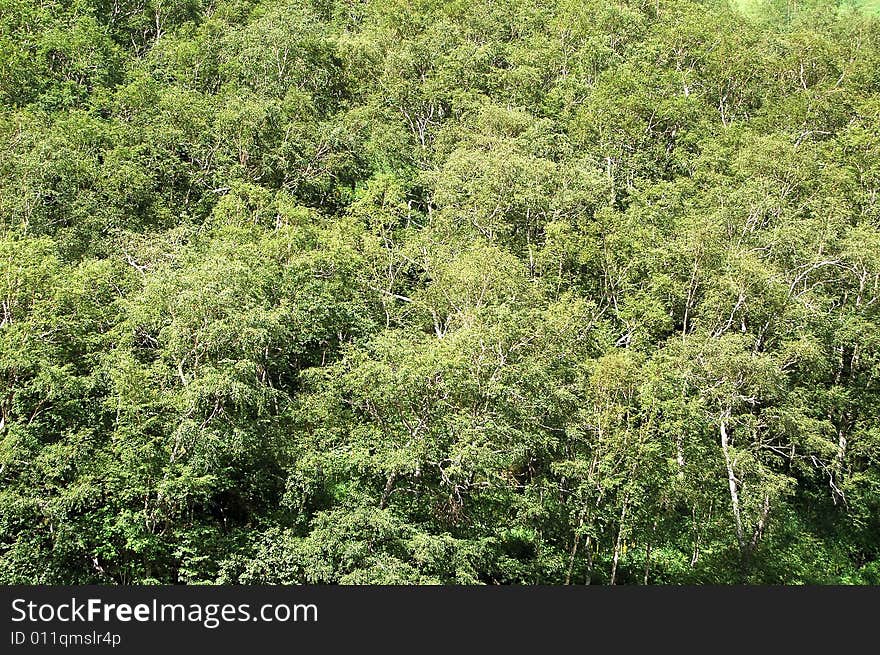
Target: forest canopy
439 291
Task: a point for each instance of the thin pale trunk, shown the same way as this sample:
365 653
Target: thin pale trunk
762 522
588 579
692 288
731 481
679 449
839 460
386 492
679 456
577 540
619 540
586 516
648 552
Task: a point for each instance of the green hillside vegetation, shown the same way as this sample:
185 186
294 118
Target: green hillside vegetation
787 7
439 291
869 6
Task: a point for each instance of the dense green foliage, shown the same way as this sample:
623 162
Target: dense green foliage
426 291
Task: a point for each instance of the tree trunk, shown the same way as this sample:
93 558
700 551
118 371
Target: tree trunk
734 494
648 552
386 492
588 579
839 461
577 540
617 543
